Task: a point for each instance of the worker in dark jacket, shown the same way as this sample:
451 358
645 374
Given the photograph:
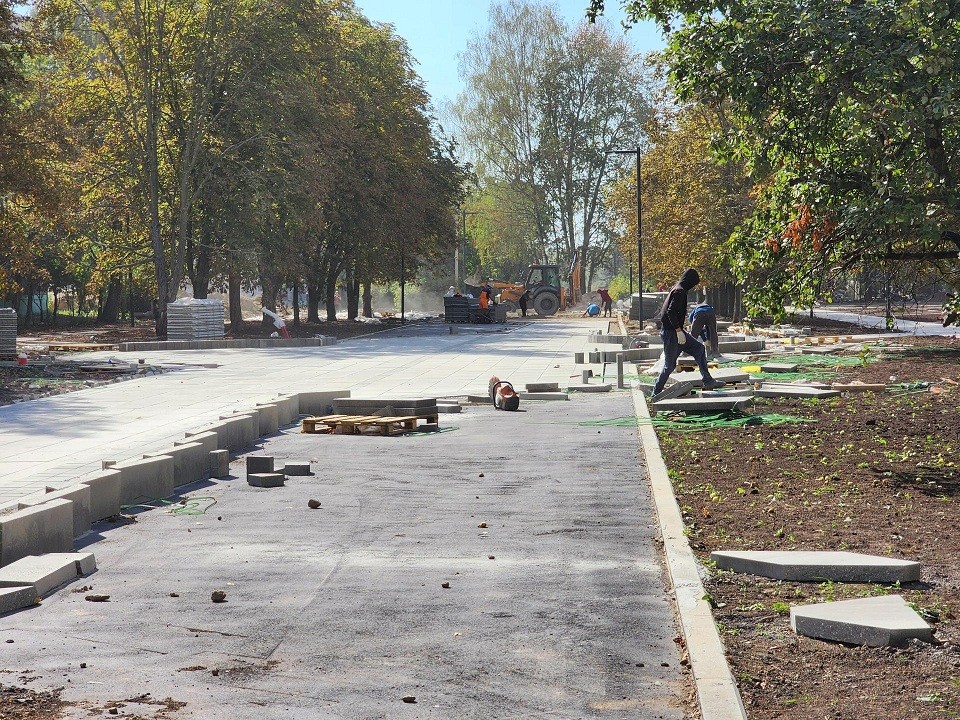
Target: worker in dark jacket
677 340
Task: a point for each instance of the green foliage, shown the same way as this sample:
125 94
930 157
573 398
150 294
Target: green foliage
843 111
619 287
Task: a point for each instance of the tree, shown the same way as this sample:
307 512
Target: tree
843 110
691 202
544 103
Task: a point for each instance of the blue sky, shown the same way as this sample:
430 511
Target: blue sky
438 30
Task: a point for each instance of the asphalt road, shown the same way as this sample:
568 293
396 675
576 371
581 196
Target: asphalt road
555 609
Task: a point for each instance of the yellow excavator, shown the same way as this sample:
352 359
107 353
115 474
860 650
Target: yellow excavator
546 295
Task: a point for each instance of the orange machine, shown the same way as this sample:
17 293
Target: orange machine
546 294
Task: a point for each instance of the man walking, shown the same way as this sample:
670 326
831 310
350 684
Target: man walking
677 340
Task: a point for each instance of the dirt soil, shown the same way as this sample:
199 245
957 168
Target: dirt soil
870 472
17 703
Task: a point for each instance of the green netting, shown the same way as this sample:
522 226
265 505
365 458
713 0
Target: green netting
701 421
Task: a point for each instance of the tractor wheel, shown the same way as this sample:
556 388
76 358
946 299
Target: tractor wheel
510 305
546 304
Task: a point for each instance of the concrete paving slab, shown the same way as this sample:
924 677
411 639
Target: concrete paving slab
741 393
45 573
45 528
237 432
701 404
265 479
678 388
859 387
444 408
588 388
79 495
730 375
104 493
542 387
543 396
17 598
288 408
297 468
875 621
818 566
259 463
779 367
794 391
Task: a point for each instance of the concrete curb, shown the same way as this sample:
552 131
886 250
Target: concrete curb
717 691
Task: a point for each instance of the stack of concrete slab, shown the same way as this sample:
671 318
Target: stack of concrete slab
419 407
190 319
8 331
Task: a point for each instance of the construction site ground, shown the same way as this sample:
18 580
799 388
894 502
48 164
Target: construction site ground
504 567
868 472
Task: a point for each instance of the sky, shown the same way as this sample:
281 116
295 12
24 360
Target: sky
437 31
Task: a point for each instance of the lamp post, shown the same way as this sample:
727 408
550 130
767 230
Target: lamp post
636 152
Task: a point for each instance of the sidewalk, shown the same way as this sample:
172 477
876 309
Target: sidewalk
49 442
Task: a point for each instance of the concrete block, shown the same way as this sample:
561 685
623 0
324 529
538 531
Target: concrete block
587 388
543 387
265 480
259 464
17 598
189 462
742 393
288 407
237 432
207 439
144 480
45 528
678 388
45 573
269 419
706 404
297 468
79 495
219 463
779 367
818 566
319 403
104 494
874 621
443 408
794 391
859 387
543 396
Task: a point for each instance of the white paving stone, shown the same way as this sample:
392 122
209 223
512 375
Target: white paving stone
874 621
818 566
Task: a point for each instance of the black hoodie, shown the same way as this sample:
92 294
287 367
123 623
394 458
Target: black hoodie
674 308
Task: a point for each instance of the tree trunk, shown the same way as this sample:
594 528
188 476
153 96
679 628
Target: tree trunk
331 292
110 310
236 314
313 303
367 299
56 307
201 261
295 287
353 297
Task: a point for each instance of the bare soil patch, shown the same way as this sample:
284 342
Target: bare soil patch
876 473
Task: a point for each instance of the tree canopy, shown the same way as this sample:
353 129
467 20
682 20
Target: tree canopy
843 111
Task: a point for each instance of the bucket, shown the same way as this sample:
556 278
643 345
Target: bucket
22 358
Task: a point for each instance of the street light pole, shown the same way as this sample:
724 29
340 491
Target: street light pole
636 152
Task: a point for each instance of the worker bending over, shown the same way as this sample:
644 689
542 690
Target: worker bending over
677 340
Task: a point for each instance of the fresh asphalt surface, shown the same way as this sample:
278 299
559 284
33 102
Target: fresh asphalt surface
340 613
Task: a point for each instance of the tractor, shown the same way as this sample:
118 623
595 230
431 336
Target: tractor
546 295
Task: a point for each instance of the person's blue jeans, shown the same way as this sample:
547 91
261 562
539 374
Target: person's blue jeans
672 350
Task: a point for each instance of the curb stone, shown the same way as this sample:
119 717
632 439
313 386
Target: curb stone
717 693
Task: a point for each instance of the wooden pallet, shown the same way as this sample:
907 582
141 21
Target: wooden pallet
356 424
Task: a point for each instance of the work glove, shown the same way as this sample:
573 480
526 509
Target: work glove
681 337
